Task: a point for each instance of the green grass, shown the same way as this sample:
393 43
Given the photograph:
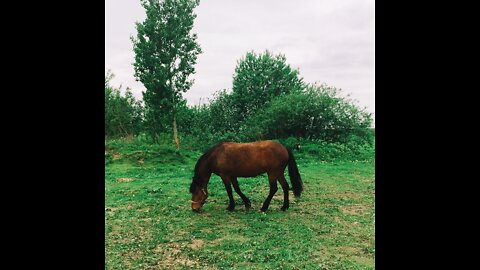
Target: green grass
149 223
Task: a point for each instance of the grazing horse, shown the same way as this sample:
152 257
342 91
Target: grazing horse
230 160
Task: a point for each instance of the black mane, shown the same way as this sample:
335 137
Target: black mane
197 179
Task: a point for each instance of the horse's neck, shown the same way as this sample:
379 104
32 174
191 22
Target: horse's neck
206 173
206 179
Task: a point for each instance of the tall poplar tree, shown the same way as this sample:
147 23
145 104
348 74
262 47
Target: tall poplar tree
165 54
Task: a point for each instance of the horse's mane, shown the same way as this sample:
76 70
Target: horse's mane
196 180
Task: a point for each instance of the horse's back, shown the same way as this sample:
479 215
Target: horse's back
258 149
251 159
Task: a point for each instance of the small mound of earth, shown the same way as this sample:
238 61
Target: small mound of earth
123 179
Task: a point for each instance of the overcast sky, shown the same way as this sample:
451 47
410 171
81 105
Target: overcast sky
328 41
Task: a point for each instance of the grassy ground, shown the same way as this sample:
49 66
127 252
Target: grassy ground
149 223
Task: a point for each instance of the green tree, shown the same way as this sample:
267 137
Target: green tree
165 54
260 78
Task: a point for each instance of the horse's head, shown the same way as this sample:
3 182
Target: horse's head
199 196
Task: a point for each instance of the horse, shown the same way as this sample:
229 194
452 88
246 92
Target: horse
230 160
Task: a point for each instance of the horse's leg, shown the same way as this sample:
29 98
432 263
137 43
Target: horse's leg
228 187
272 180
284 184
239 192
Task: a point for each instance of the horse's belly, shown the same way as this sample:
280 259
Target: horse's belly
249 174
239 172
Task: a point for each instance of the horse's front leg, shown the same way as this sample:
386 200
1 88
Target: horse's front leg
236 187
228 187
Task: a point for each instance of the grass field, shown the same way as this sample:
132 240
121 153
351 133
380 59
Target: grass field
149 223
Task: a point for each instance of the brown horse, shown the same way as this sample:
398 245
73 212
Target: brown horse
230 160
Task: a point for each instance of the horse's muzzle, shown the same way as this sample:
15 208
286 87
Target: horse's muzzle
197 206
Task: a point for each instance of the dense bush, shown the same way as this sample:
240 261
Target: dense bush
326 151
316 113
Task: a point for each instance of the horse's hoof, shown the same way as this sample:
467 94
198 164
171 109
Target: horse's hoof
248 206
263 209
284 208
230 208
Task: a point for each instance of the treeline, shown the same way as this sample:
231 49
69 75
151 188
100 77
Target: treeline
268 100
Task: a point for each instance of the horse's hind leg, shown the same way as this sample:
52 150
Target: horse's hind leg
239 192
284 184
228 187
272 180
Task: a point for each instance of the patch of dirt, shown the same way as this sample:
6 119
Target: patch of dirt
115 230
196 243
124 179
206 230
348 250
116 156
355 209
175 248
364 260
108 149
132 256
349 195
141 161
321 253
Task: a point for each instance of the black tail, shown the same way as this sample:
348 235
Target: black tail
294 174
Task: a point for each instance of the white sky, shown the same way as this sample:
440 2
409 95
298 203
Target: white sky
328 41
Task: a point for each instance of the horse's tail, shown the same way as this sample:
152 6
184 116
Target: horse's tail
294 174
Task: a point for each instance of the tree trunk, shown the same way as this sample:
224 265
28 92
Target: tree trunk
175 132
